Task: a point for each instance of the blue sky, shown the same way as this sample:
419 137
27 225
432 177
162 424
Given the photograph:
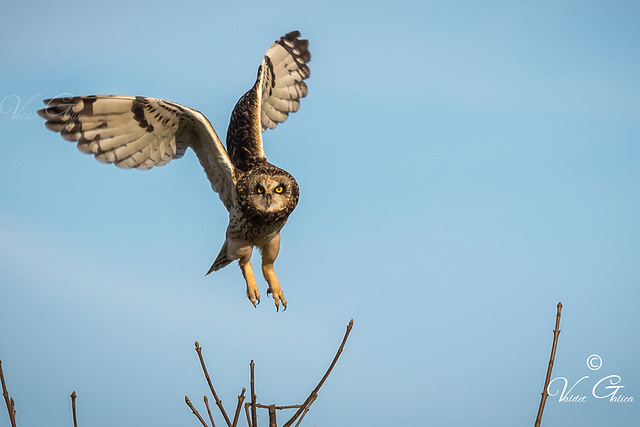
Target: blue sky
463 167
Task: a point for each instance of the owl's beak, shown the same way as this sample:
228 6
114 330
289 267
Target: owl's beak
268 197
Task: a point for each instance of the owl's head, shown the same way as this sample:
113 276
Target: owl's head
267 193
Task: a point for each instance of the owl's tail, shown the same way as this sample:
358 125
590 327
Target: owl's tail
222 260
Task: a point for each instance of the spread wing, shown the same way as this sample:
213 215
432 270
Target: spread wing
276 93
139 132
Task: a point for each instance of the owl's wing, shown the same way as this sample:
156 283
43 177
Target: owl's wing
275 94
139 132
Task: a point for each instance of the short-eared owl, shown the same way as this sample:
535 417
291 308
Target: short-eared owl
139 132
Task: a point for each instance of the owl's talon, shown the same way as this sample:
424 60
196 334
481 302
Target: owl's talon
278 297
253 295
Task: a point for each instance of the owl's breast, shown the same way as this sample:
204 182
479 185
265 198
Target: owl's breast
258 233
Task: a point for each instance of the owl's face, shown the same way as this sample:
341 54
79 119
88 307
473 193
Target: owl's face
271 193
267 193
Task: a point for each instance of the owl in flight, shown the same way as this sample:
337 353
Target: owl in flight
139 132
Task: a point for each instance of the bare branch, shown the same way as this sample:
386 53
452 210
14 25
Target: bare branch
556 333
246 410
194 410
206 374
73 408
261 406
206 402
272 416
306 409
314 393
9 402
254 415
237 414
13 409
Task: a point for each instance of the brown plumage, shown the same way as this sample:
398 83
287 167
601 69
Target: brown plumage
140 132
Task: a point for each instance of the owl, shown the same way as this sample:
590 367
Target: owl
139 132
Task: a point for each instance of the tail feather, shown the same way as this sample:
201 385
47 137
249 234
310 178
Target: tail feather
222 260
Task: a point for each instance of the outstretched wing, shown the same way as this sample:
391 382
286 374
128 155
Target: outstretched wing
139 132
276 93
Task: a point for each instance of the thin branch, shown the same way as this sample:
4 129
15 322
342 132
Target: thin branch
206 402
9 402
314 393
272 416
73 408
261 406
13 409
246 410
556 333
206 374
237 414
254 414
194 410
306 410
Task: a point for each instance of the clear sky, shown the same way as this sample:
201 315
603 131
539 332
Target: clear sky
463 167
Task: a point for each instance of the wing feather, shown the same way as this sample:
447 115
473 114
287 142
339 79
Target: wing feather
139 132
283 70
275 94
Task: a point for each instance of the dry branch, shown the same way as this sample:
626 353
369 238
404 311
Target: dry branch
237 414
254 415
73 408
556 333
9 402
206 374
306 409
307 403
194 410
206 403
252 419
272 416
246 410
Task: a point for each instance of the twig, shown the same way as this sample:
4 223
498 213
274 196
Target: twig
272 416
9 402
73 408
314 393
237 414
206 402
254 414
246 410
13 409
306 410
261 406
556 333
194 410
206 374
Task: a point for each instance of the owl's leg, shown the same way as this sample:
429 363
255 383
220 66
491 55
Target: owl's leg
252 287
269 255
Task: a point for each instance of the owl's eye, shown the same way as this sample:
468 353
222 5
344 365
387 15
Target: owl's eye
260 189
279 189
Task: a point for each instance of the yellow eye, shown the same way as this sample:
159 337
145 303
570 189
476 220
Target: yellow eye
279 189
260 190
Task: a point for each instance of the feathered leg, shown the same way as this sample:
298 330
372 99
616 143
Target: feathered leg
269 255
252 288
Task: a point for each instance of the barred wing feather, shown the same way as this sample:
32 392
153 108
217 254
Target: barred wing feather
139 132
281 78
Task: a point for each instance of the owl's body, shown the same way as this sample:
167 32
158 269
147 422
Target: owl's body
140 132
